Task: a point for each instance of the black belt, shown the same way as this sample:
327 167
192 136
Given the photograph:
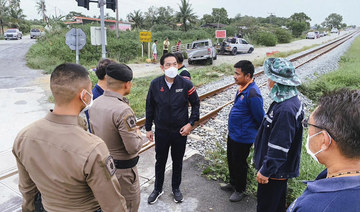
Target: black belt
126 164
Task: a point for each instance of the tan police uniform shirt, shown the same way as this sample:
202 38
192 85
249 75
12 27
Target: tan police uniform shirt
112 119
70 167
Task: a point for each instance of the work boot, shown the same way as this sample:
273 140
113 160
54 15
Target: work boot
236 196
178 197
226 187
154 196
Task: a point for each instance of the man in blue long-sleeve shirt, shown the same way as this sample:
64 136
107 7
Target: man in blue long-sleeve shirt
244 120
167 106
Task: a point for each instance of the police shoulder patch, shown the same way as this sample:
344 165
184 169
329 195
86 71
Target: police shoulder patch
130 121
110 165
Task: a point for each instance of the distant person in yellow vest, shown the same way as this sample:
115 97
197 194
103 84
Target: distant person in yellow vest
166 46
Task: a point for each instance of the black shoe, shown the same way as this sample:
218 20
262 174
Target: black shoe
178 197
226 187
154 196
236 196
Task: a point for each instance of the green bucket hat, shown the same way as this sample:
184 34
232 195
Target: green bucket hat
282 71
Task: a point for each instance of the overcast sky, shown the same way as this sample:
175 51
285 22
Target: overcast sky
317 10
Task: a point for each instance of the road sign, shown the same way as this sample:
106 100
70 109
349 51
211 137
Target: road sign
145 37
95 35
220 33
74 39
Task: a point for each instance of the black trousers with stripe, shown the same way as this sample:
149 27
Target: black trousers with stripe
164 140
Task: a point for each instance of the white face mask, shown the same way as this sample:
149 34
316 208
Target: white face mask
171 72
313 155
87 106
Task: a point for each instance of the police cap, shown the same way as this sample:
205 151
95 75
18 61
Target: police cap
120 72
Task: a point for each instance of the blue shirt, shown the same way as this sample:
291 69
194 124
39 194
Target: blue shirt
97 91
329 194
246 115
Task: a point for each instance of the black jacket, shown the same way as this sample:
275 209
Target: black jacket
168 108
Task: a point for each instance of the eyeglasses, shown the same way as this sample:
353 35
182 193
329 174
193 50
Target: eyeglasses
306 124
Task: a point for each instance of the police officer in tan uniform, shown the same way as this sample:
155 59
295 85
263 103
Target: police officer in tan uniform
112 119
71 168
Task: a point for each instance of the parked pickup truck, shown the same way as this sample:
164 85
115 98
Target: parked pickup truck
35 33
234 45
13 34
201 50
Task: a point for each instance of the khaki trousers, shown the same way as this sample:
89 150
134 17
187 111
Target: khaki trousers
130 187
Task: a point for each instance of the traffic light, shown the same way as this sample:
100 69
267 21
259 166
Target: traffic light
83 3
111 4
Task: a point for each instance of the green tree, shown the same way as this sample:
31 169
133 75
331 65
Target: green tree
299 22
16 14
247 21
137 18
4 10
151 17
207 19
333 21
186 14
41 9
220 15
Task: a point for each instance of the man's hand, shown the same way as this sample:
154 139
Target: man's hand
261 178
185 130
150 135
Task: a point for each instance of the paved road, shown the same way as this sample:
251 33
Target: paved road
13 69
22 101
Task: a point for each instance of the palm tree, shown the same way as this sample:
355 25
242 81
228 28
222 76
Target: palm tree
3 14
137 18
186 13
15 17
41 8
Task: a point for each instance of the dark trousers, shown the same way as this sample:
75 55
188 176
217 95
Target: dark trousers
237 154
271 197
163 141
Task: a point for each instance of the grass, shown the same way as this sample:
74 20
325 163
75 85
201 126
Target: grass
347 75
260 61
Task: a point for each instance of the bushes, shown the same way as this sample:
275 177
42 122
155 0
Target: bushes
265 38
283 35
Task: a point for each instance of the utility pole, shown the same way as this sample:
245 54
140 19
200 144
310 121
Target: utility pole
117 19
271 15
102 3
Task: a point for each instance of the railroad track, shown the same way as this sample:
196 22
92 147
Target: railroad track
207 114
298 61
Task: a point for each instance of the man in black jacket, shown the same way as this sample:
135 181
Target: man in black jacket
167 105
